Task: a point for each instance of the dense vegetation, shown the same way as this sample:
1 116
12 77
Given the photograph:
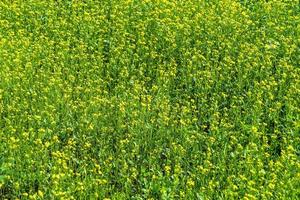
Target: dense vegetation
162 99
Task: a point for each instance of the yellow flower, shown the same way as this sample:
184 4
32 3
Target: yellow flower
167 169
40 193
190 183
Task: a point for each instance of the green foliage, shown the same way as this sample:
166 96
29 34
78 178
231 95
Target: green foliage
159 99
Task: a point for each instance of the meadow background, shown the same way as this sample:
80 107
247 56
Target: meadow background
149 99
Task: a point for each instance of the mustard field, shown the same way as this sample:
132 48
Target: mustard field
150 99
